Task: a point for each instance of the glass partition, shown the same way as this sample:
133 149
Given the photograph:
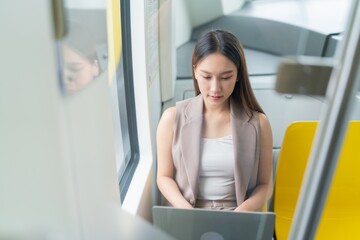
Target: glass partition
94 50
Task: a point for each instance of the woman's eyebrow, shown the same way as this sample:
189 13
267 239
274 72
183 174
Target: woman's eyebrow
74 64
229 71
225 72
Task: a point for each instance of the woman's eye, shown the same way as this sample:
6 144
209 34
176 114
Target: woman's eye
75 70
226 78
206 77
74 67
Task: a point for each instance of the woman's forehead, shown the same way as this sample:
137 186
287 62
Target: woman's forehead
215 61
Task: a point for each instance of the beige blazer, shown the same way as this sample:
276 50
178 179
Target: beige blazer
186 148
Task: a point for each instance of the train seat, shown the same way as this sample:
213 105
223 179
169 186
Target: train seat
341 214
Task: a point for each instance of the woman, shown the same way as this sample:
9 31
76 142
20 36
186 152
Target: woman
81 64
215 150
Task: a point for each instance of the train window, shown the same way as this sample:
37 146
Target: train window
95 47
122 95
127 159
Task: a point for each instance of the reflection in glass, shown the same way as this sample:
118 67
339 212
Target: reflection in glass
92 51
81 64
84 51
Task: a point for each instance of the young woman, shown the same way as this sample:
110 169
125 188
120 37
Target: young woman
81 64
215 150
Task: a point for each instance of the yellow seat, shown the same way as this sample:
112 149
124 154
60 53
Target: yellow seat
341 215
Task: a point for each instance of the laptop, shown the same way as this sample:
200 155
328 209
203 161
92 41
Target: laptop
207 224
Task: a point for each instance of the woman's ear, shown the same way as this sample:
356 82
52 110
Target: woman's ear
95 68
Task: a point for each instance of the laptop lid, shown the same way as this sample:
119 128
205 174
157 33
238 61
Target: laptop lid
207 224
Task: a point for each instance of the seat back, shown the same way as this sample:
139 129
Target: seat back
290 169
341 214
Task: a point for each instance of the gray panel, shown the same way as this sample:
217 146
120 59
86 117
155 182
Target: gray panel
259 63
183 60
355 114
279 38
253 33
274 34
263 39
282 109
330 46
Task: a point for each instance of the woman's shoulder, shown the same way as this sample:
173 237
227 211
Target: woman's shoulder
169 114
166 121
185 102
262 116
264 121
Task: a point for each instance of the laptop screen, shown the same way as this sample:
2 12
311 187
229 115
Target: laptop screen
206 224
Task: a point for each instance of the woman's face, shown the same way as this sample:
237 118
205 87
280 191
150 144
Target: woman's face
216 76
79 71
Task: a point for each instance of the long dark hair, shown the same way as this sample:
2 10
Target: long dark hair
226 43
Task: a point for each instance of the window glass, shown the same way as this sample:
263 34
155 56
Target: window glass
92 49
85 47
118 92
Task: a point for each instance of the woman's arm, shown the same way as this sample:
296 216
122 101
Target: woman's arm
165 166
263 190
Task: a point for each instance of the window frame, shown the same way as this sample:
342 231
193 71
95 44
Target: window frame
131 165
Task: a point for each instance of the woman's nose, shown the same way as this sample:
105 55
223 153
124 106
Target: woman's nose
68 77
215 84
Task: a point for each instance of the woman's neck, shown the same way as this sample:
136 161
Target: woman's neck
217 110
216 122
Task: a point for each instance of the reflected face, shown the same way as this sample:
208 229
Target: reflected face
78 70
216 76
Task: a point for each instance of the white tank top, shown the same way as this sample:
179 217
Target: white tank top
216 173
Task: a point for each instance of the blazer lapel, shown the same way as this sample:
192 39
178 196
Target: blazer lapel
244 141
190 142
